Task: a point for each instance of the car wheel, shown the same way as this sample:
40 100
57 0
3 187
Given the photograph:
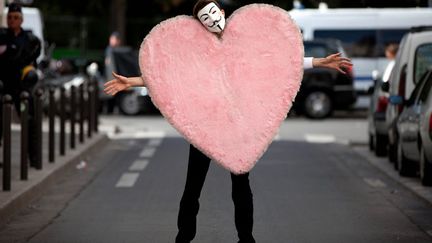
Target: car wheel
380 145
317 104
129 104
425 169
405 166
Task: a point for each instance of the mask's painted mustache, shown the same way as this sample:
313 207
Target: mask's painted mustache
215 22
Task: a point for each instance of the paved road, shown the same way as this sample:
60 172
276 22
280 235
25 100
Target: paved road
341 129
303 192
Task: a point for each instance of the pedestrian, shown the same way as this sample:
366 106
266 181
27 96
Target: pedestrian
19 50
390 52
114 42
212 17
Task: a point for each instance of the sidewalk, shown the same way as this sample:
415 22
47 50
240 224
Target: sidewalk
23 192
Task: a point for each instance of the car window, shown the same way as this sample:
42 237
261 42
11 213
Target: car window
357 43
422 60
388 36
426 90
416 92
364 43
315 49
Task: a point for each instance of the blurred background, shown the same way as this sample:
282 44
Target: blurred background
78 28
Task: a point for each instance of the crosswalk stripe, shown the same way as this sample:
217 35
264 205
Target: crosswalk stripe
127 180
139 165
147 152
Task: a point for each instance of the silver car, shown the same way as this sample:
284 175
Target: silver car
415 120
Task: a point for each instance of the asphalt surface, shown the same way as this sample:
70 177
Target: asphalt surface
303 192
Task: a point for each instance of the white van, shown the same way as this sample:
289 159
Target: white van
32 21
364 33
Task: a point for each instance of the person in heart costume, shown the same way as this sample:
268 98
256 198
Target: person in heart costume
212 17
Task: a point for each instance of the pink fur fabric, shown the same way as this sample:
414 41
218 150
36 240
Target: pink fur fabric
227 96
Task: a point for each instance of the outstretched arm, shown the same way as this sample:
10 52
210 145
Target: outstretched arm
121 83
334 61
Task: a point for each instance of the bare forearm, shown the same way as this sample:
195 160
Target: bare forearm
317 62
136 82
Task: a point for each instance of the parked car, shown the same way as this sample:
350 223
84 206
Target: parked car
377 129
426 134
324 90
412 60
134 100
408 126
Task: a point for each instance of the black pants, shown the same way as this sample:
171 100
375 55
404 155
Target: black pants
189 204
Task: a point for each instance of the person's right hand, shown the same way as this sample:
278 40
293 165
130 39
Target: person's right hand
116 85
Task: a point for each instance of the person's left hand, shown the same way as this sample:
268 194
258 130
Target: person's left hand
334 61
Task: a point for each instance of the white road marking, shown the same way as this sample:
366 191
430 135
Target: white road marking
374 182
147 152
319 138
149 134
139 165
154 142
137 135
277 137
127 180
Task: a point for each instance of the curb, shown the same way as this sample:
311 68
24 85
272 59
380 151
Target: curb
413 184
28 191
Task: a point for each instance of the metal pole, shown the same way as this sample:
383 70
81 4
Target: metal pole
24 134
38 121
7 113
82 113
51 115
72 116
90 113
62 121
96 106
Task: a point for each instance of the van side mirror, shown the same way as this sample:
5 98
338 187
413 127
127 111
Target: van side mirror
385 86
396 100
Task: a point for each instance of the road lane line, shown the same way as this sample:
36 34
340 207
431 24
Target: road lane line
149 134
154 142
139 165
127 180
319 138
147 152
374 182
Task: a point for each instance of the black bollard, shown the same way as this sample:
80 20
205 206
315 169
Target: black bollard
51 117
62 121
90 113
7 117
96 106
24 134
72 116
82 113
38 121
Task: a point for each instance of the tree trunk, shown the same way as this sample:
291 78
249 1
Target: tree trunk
118 17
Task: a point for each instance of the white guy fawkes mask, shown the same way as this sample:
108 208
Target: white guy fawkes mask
212 18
